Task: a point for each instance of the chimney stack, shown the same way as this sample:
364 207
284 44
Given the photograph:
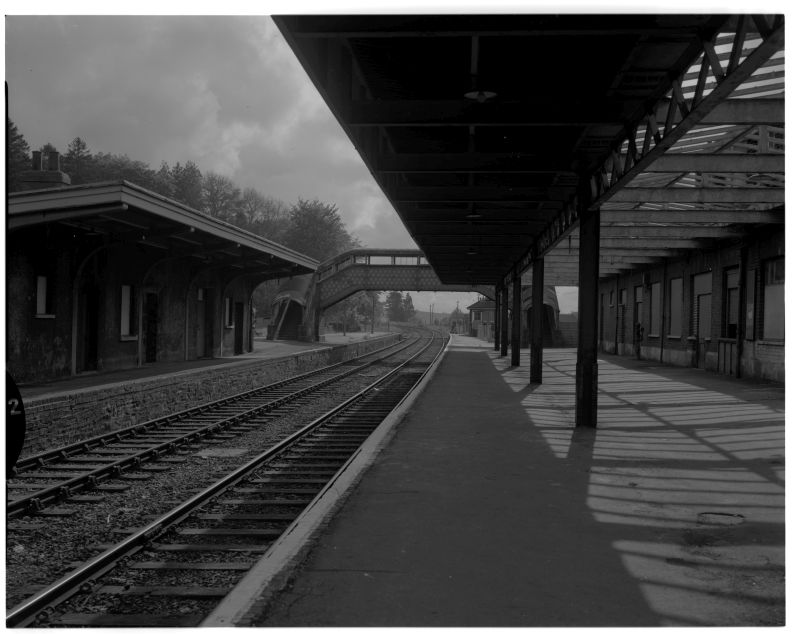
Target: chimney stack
39 178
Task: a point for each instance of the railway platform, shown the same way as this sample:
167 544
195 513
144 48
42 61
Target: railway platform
90 380
95 403
487 507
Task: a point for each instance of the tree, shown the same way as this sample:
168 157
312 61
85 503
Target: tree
317 230
45 150
408 308
264 215
19 155
188 183
162 181
394 306
457 320
76 161
221 197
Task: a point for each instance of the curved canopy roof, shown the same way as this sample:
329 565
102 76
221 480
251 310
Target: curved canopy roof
484 130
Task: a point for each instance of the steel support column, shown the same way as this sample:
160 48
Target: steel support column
504 321
497 318
537 319
516 314
588 278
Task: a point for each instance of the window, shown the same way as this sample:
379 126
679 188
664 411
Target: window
41 296
655 309
675 306
730 321
127 311
623 296
774 275
229 312
637 305
701 305
750 305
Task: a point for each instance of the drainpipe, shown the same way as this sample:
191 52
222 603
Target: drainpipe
616 317
663 312
742 310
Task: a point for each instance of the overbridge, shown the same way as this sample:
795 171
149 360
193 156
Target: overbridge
301 301
381 270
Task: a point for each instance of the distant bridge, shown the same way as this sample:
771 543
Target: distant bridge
381 270
302 300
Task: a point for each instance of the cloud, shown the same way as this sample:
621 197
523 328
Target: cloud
225 92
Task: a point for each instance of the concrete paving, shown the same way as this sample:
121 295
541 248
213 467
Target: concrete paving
488 508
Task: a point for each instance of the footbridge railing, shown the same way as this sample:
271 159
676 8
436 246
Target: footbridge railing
381 270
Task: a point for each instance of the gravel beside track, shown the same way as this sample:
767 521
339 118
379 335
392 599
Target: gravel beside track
42 548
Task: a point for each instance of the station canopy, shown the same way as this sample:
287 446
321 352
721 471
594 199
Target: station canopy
488 133
121 212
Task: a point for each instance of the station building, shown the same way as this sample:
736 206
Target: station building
719 309
110 276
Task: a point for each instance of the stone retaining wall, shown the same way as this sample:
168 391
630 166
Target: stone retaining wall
59 419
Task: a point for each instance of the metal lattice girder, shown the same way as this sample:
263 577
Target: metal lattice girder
477 194
674 103
647 151
472 162
681 163
461 113
658 139
700 195
704 216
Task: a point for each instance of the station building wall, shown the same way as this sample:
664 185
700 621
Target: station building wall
689 310
113 307
38 305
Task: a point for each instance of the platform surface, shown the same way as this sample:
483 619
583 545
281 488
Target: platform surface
488 508
262 349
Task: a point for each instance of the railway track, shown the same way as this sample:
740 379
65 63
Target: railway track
54 476
175 569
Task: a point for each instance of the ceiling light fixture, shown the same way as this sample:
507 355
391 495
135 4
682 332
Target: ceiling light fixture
476 93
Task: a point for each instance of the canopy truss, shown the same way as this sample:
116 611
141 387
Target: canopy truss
480 130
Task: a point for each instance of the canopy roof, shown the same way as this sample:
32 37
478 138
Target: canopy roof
483 130
126 213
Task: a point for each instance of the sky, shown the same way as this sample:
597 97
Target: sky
223 91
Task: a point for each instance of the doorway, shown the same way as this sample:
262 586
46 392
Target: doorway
89 320
238 328
703 328
205 325
150 327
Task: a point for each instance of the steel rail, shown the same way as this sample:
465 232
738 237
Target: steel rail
36 500
60 453
25 612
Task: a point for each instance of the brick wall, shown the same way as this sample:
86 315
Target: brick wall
60 419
